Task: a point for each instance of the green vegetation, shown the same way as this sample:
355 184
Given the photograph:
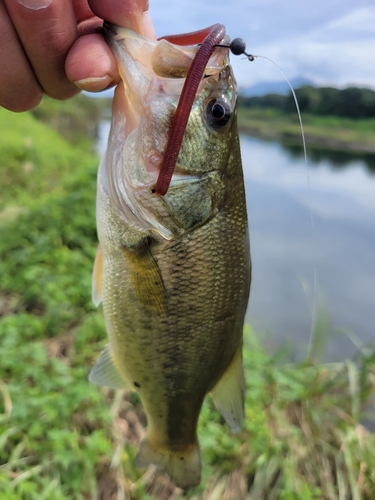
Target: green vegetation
332 118
352 102
76 119
64 438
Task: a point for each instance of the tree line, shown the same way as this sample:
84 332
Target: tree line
352 102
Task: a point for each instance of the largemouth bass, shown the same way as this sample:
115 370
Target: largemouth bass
173 271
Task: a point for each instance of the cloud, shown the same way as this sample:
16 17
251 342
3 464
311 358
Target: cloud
357 25
339 52
328 41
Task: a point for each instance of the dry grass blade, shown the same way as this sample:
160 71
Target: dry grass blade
27 474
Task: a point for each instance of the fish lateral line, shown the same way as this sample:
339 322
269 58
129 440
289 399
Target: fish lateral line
180 119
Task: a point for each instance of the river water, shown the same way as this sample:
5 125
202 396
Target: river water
312 233
300 235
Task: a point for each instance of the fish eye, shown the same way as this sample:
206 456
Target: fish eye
218 112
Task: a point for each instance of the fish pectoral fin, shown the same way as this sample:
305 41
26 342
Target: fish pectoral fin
229 393
146 278
105 373
97 278
183 467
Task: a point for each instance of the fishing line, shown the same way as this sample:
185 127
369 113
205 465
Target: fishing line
238 47
314 291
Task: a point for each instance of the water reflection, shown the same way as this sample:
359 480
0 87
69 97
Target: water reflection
296 233
335 158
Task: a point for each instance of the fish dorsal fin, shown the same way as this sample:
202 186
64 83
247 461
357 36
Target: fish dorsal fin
105 373
97 278
229 393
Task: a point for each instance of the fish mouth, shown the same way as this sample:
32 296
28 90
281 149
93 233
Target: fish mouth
168 60
156 65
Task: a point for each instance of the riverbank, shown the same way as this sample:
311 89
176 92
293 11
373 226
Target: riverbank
330 132
63 437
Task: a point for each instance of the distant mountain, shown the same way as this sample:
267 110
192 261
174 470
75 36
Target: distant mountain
280 87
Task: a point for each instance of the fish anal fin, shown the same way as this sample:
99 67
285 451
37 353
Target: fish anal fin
229 393
97 278
183 467
105 373
146 278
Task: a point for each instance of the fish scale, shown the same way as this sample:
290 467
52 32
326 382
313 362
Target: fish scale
174 271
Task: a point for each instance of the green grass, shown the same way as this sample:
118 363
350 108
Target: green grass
64 438
76 119
34 160
326 131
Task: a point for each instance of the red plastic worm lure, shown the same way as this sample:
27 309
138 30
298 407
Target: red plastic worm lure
208 38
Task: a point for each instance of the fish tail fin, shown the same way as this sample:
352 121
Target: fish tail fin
183 467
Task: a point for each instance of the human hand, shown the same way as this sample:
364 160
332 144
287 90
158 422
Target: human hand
56 47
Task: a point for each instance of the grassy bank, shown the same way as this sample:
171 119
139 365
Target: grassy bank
63 438
321 131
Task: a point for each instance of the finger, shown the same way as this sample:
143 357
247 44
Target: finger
131 14
82 10
47 29
91 65
19 89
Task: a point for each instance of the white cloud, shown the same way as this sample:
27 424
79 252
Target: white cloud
339 52
359 25
331 42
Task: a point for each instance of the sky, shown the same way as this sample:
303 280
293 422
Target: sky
331 42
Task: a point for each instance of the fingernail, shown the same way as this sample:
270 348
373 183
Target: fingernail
35 4
94 84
